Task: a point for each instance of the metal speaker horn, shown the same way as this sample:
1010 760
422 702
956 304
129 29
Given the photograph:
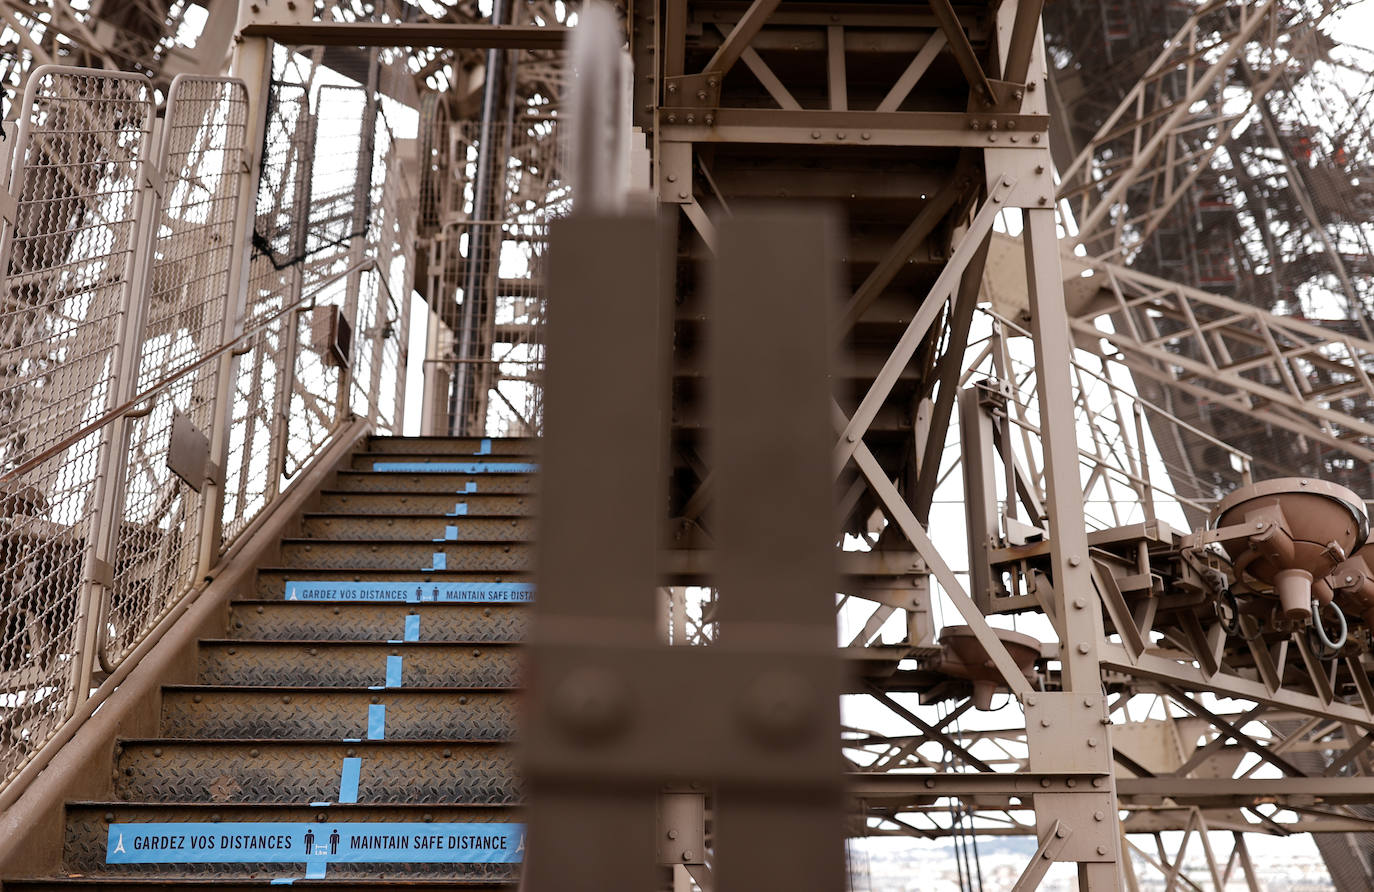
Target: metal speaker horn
1288 535
962 655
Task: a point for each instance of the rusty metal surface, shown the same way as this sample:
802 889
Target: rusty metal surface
421 503
337 714
301 772
344 664
454 447
87 825
407 555
495 462
146 884
284 621
385 481
409 526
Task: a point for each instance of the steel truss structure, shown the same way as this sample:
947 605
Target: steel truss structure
1157 694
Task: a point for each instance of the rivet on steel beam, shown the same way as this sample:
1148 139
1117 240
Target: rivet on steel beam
1044 723
1097 782
672 119
865 135
682 195
672 88
1088 703
840 135
1092 741
1083 647
1079 603
975 124
992 137
1044 199
1060 833
691 119
1070 783
1039 168
815 134
672 834
1075 560
672 178
1098 816
1044 782
1101 850
701 95
1035 137
689 855
930 784
1011 125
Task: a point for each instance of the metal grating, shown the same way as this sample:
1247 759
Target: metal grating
81 160
157 542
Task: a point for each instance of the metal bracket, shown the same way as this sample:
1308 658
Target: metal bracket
692 91
681 828
100 573
9 207
188 453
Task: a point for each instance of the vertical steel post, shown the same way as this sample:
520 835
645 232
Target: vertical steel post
252 64
601 510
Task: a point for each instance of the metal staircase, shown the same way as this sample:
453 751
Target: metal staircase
367 677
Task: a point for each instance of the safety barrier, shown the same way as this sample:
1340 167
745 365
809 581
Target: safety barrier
181 334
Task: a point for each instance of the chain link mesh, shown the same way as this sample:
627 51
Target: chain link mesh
70 254
158 541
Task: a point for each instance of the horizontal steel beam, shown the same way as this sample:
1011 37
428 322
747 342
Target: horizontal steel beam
413 35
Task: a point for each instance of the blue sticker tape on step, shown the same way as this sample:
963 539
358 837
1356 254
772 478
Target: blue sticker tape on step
450 534
393 672
348 779
376 721
459 510
412 632
440 562
282 881
410 593
315 845
470 486
456 467
485 448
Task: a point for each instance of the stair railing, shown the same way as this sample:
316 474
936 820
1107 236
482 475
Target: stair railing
139 386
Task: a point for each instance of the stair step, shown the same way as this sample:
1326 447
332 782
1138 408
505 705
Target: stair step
162 884
89 836
305 771
402 462
405 526
359 664
338 713
407 555
434 481
427 504
451 445
271 581
295 620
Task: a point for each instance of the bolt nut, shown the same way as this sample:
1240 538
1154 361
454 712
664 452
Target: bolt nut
672 834
1099 816
1079 603
1083 647
1074 560
1101 850
689 855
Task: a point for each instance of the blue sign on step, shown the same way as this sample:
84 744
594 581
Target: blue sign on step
315 843
410 593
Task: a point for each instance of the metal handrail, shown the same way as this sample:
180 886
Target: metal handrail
125 409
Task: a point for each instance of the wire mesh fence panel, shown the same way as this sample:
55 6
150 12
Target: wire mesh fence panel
254 461
490 256
80 168
157 542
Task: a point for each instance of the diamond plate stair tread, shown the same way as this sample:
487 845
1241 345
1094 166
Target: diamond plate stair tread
406 526
358 664
295 620
87 835
303 771
433 481
406 554
147 884
426 504
454 446
337 713
271 581
363 461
